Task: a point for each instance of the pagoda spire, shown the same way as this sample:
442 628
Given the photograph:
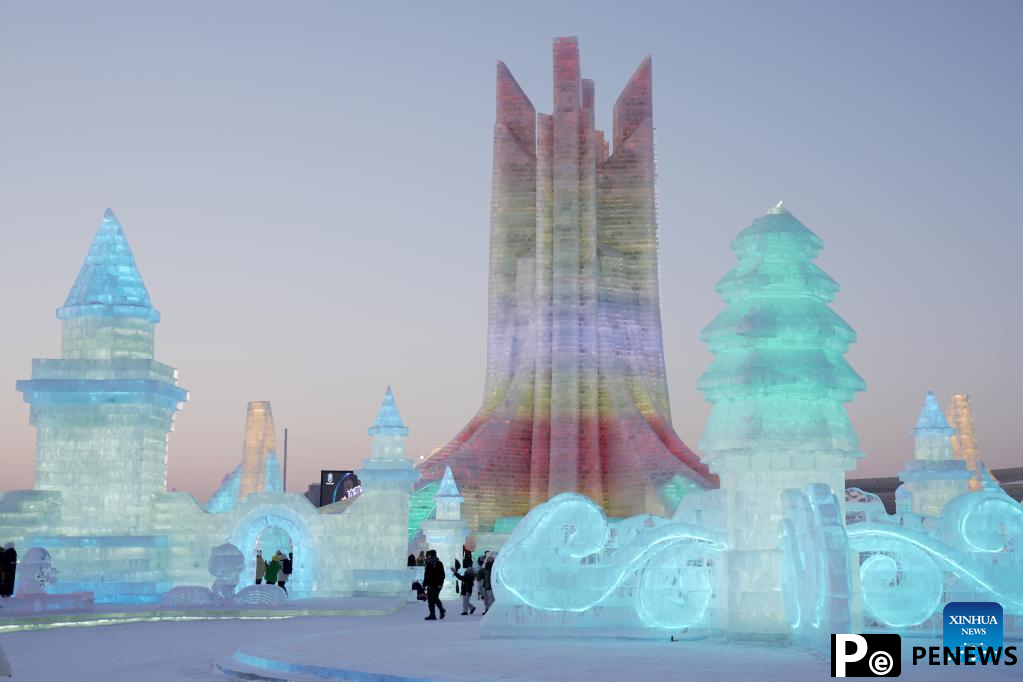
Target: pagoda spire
109 283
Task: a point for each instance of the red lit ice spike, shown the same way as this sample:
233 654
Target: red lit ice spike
576 397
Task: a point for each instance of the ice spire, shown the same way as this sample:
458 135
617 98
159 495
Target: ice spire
448 487
388 421
964 442
259 447
109 283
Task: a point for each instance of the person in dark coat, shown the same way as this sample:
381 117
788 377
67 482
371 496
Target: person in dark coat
8 566
411 560
433 581
488 587
468 577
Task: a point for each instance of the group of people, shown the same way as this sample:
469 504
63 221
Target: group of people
277 570
471 578
8 567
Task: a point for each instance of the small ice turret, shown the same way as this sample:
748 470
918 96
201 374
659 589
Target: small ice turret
446 533
935 476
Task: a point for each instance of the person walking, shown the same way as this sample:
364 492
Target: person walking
433 581
286 565
488 588
272 569
467 577
260 566
421 561
8 566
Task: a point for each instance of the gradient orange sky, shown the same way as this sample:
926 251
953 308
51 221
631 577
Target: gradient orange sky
307 187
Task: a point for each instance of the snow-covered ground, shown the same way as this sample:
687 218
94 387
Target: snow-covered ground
403 646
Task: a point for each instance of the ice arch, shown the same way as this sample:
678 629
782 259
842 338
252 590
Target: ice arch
251 525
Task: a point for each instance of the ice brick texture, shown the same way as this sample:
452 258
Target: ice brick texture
778 384
934 477
575 398
104 410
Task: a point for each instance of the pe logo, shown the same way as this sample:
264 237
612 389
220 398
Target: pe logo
976 624
866 655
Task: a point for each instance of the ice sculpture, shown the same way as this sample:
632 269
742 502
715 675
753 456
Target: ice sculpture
778 384
575 397
103 411
35 573
260 596
446 533
816 575
259 470
226 564
36 578
567 570
964 440
190 597
935 477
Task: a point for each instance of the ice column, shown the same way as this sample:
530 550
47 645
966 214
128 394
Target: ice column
935 476
446 532
777 384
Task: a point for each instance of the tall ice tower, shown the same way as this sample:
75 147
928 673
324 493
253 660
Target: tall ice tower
575 397
103 411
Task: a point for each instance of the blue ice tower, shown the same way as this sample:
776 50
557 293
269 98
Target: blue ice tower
104 410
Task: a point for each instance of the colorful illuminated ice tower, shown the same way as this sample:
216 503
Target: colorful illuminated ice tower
576 398
104 410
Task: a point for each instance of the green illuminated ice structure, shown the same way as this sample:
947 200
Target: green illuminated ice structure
778 384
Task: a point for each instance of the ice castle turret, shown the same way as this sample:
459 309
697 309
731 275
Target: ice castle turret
387 479
446 532
778 384
935 476
104 410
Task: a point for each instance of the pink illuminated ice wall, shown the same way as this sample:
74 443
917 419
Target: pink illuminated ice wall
576 397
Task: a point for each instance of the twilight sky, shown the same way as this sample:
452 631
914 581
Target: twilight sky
306 187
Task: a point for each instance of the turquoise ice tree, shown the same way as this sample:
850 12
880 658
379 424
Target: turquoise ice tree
778 384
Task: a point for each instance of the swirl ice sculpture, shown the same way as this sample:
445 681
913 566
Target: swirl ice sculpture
567 565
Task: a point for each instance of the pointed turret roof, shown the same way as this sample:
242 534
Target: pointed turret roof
448 487
388 421
932 418
109 283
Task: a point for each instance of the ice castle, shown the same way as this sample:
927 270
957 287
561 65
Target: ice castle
103 413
